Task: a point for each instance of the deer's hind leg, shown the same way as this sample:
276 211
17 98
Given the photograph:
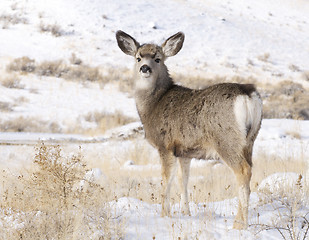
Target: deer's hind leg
168 169
240 162
243 176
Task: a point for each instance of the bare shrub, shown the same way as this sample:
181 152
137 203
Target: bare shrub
12 82
51 68
264 57
75 60
23 64
84 72
6 107
290 212
12 19
54 29
294 68
48 202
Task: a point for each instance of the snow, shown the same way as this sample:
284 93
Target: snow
278 182
209 220
221 37
267 40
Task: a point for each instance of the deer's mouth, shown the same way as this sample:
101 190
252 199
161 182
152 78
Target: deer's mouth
145 75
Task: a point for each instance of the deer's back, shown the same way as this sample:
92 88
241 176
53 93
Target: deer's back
185 120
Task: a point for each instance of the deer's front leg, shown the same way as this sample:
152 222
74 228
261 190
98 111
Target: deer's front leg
168 169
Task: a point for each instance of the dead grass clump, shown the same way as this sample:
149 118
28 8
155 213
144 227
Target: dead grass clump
286 100
264 57
107 121
28 124
12 82
23 64
57 68
55 201
54 29
123 77
85 73
52 68
12 19
75 60
294 68
294 134
6 107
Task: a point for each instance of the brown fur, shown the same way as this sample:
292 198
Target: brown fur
184 123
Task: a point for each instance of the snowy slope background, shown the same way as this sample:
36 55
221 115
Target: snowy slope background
266 40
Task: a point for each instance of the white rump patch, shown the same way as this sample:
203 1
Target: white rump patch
248 112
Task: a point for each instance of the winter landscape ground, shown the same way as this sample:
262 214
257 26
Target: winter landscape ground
74 161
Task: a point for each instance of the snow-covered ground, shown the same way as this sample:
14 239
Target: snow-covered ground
209 220
264 39
267 40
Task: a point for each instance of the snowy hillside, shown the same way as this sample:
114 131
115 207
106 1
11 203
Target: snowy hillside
264 39
64 80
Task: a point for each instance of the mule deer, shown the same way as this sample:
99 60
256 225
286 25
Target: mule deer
184 123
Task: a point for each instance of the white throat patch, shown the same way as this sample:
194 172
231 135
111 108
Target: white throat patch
144 83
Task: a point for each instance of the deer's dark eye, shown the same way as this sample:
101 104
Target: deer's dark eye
138 59
158 60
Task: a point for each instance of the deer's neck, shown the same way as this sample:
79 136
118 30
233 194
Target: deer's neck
147 99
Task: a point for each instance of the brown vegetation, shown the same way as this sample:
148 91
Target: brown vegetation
54 200
57 68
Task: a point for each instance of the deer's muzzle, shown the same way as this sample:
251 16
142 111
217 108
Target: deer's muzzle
145 69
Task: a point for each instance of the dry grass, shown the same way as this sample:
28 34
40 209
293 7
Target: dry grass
23 64
264 57
122 77
12 82
55 29
49 202
142 180
75 60
57 68
28 124
106 121
12 19
265 165
286 100
6 107
209 181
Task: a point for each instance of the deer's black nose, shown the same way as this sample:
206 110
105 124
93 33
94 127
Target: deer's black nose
145 69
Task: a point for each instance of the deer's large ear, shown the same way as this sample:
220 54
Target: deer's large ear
173 44
127 43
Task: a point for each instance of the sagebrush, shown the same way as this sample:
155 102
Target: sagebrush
56 201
